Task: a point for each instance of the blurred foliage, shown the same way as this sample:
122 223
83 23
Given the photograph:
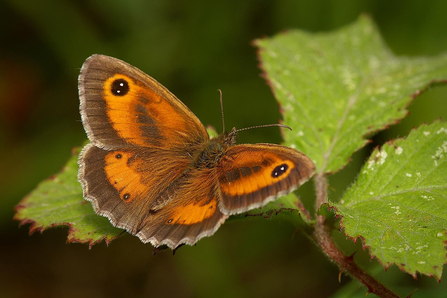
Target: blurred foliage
193 48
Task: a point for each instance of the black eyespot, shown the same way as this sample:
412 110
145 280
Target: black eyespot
279 170
126 196
118 156
169 221
120 87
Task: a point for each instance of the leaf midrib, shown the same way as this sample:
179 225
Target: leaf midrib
351 102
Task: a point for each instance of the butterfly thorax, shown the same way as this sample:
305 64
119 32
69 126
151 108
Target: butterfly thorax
214 149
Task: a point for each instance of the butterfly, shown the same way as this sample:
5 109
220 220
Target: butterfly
152 169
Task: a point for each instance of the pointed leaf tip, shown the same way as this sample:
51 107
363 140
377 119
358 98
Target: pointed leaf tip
336 88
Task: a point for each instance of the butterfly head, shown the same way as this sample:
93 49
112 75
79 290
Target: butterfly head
230 138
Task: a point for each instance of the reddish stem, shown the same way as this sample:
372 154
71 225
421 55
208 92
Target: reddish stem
322 236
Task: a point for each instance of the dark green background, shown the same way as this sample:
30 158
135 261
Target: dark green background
193 48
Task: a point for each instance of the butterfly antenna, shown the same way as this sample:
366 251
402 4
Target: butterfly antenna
221 109
265 125
246 128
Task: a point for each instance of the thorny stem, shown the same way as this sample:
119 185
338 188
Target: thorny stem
321 235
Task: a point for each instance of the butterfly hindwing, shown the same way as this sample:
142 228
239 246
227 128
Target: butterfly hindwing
191 214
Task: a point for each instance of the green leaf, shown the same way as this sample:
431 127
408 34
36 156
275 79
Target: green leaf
337 87
212 132
58 201
398 204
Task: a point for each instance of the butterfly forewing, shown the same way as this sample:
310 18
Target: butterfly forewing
123 107
250 176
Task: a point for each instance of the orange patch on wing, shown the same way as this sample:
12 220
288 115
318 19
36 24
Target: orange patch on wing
122 176
193 213
121 111
258 180
165 122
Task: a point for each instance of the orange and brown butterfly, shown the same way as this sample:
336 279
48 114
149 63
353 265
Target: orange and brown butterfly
152 169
